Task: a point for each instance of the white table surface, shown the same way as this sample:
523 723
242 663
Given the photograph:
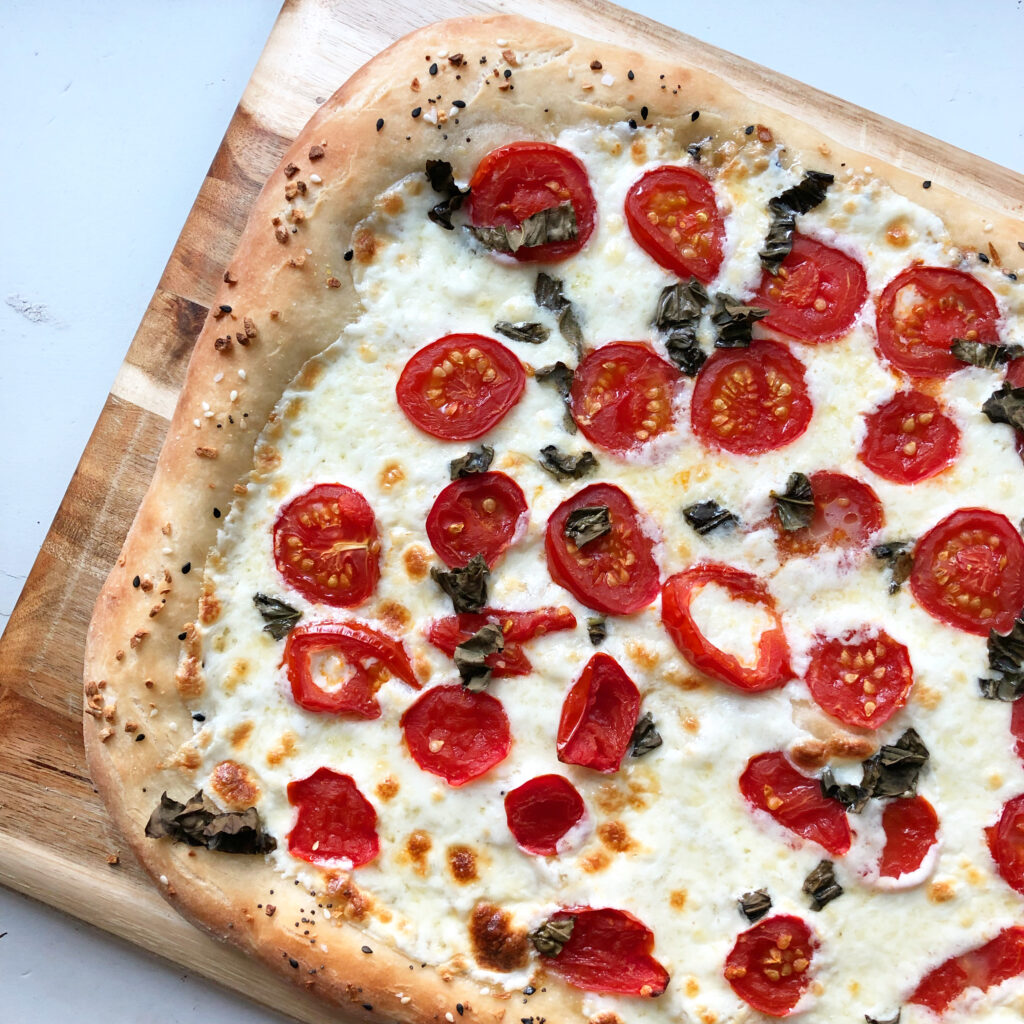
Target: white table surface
111 114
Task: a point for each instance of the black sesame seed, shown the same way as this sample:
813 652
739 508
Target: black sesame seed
749 130
643 113
483 60
137 582
225 309
458 103
380 123
529 990
198 716
508 72
140 737
367 950
983 257
216 513
367 1006
433 69
632 123
293 962
926 184
348 256
695 115
459 1009
630 75
181 636
186 568
1012 277
416 111
661 77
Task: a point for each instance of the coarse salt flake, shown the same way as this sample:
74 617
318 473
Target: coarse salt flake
196 423
218 378
316 179
241 374
607 79
233 396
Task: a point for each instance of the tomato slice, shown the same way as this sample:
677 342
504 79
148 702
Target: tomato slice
862 678
517 628
598 716
518 180
480 514
614 573
622 395
909 438
1017 727
816 295
326 545
911 828
769 965
673 216
969 571
367 660
334 820
772 666
540 812
996 961
1015 378
923 309
456 734
847 513
1006 843
771 784
458 387
748 401
609 951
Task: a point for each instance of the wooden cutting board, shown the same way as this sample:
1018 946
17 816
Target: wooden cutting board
56 841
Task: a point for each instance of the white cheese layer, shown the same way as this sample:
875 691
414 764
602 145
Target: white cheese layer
686 845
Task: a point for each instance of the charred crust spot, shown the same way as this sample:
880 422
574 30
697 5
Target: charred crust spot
417 562
281 234
235 785
209 604
613 835
364 245
496 945
417 846
333 282
205 451
230 279
462 862
357 903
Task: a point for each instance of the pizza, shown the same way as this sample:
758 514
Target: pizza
582 578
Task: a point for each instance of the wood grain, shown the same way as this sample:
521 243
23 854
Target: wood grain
55 837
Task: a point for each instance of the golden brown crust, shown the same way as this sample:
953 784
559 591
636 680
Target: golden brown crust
289 293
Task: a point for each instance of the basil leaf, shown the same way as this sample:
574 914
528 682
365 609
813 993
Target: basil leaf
1006 406
199 822
555 224
472 462
587 524
684 350
439 173
900 559
1006 657
552 935
645 736
280 618
680 304
531 333
981 353
597 630
888 1020
754 905
471 655
821 885
851 796
548 294
559 375
467 587
734 321
566 467
894 770
795 506
808 193
705 516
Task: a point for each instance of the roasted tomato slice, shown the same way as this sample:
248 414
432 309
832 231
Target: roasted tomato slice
622 395
771 784
993 963
517 628
540 813
614 573
334 820
847 513
748 401
861 678
768 967
1006 843
1017 727
455 733
598 716
673 216
909 438
608 951
482 514
771 667
969 571
459 386
523 178
326 545
337 667
923 309
911 828
816 294
1015 378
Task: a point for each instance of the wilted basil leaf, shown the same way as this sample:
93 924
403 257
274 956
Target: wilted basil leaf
800 198
531 333
894 770
981 353
645 736
705 516
555 224
478 461
552 935
1006 406
439 173
280 618
694 148
559 375
754 905
795 506
900 559
680 304
587 524
684 350
888 1020
850 795
734 321
471 655
199 822
821 885
597 630
467 587
1005 656
547 292
566 467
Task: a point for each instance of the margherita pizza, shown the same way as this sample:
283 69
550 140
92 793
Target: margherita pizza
582 579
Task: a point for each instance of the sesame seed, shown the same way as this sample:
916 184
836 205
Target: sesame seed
508 72
380 123
218 378
367 950
695 115
926 184
186 568
416 111
643 113
458 103
137 582
316 179
348 256
233 396
216 513
630 75
241 374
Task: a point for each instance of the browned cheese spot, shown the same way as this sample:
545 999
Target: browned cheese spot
394 615
295 407
364 244
390 475
285 748
240 734
462 863
595 861
357 903
235 785
188 678
209 604
391 203
708 1016
683 679
310 374
417 846
691 987
677 899
497 946
187 758
641 655
847 745
235 675
638 151
611 797
387 788
927 696
941 891
614 835
898 235
808 753
606 1017
417 562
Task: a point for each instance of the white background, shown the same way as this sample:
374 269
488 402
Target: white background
110 115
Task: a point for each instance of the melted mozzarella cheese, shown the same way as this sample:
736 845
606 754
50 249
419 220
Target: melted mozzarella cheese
691 845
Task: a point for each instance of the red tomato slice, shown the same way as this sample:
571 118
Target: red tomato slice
523 178
458 387
1006 843
326 545
923 309
1017 727
847 513
598 716
517 627
993 963
1015 378
622 396
615 573
673 216
771 784
480 514
969 571
768 967
909 438
911 828
455 733
772 666
748 401
368 659
334 821
540 812
609 951
861 678
816 295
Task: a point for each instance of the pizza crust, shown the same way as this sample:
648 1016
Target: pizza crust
290 293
